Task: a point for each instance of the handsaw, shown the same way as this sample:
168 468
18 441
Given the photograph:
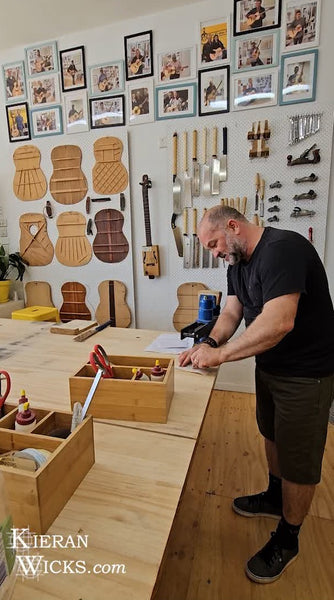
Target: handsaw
187 196
195 249
206 168
205 252
215 165
223 158
195 178
177 235
186 242
176 182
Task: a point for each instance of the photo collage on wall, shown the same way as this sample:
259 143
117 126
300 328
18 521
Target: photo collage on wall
270 57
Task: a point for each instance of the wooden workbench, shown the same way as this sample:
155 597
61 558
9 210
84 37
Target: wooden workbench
127 502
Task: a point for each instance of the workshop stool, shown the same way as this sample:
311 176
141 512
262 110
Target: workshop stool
37 313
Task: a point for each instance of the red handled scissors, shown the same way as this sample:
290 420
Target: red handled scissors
99 360
4 396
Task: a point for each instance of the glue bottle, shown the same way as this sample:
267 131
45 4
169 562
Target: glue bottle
25 420
22 401
139 375
157 373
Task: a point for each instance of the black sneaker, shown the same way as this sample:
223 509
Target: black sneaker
270 562
257 505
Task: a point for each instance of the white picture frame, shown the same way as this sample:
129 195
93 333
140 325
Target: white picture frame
176 64
254 90
304 32
106 78
140 102
14 81
44 90
214 42
41 58
76 117
249 51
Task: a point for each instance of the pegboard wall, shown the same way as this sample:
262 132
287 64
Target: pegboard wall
95 271
241 173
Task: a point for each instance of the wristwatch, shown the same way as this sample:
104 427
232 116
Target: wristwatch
209 340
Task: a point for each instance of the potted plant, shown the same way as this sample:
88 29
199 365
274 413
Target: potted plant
10 264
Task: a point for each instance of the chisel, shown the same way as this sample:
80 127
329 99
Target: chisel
195 257
215 165
195 179
257 188
187 196
186 242
206 189
205 252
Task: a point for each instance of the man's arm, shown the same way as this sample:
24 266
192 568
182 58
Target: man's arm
266 331
226 324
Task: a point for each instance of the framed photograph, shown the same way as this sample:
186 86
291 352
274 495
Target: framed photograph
73 73
107 78
214 44
255 15
175 101
298 77
213 91
254 90
107 111
140 103
76 112
44 90
255 51
46 121
42 58
301 25
138 55
176 64
18 122
14 81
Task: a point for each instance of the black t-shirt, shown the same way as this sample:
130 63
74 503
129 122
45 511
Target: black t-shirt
284 262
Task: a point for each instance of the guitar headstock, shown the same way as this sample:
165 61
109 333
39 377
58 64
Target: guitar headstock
146 182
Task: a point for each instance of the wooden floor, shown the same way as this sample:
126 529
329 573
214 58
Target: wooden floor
209 544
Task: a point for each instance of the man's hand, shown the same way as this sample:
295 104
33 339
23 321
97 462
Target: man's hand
201 356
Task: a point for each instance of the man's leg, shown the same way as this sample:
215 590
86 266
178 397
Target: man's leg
297 499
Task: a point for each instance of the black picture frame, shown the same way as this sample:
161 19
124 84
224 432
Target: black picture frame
213 102
101 111
73 79
243 25
14 129
142 65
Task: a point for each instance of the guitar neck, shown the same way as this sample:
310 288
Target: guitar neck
147 216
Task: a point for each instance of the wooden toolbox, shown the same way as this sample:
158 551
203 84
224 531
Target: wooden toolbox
36 498
122 397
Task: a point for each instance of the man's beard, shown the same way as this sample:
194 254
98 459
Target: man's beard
236 252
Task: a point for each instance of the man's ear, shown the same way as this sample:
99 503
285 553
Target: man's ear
233 225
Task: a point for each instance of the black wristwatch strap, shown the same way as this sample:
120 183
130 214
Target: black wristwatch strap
210 341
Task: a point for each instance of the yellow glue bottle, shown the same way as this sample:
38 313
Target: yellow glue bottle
25 420
157 373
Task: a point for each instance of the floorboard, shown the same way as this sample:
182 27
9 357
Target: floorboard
209 544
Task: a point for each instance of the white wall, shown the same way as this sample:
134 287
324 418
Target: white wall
156 299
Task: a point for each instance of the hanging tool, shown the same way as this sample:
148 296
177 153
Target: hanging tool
205 252
276 184
215 168
311 195
176 182
310 234
257 189
122 201
195 178
186 242
187 197
195 257
298 212
223 158
262 186
244 205
177 235
303 158
311 177
206 168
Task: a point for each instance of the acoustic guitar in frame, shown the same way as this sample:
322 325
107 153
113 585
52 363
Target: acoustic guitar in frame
150 253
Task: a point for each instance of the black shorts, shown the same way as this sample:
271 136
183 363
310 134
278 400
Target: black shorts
293 412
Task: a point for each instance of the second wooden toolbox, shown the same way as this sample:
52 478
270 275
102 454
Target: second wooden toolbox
122 397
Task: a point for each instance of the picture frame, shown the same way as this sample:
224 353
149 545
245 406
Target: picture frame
176 64
298 79
14 81
214 42
214 91
107 111
175 101
256 91
106 78
256 15
18 122
44 90
255 51
41 58
46 121
76 112
73 69
140 103
301 25
138 52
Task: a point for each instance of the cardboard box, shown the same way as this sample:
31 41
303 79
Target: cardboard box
36 499
122 397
